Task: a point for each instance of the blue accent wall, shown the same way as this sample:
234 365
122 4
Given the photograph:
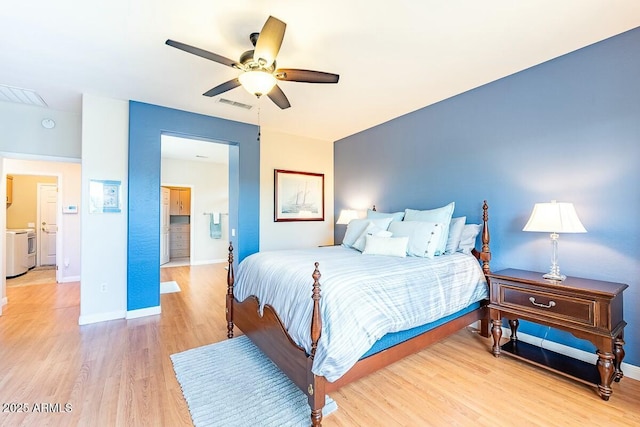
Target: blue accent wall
146 124
567 129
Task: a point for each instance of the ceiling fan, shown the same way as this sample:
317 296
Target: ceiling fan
259 72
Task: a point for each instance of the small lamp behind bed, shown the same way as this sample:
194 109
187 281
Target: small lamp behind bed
554 218
346 215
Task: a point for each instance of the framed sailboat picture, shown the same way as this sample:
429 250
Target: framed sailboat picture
298 196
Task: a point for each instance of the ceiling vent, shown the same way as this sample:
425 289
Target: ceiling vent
235 103
21 96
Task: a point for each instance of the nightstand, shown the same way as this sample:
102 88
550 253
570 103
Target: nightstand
589 309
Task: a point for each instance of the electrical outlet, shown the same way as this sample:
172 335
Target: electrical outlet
66 263
103 287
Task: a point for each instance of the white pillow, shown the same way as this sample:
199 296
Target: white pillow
371 230
455 234
357 226
468 240
424 237
389 246
442 215
396 216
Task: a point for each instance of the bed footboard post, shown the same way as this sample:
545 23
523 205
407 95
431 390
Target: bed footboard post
316 320
485 253
230 282
485 257
315 391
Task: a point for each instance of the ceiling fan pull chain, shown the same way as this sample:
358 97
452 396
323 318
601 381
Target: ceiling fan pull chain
259 121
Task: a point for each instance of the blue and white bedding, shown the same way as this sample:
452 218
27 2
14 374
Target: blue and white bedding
363 297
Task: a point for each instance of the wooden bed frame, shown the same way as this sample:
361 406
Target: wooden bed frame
269 334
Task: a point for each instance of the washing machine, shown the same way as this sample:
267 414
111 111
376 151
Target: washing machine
17 251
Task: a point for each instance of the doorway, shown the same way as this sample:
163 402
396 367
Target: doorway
147 123
195 177
33 208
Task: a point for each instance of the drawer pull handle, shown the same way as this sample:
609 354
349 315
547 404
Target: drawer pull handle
537 304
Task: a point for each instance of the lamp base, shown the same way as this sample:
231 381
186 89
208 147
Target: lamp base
554 276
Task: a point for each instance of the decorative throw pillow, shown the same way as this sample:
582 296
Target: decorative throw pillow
357 226
395 216
455 234
468 240
371 230
441 215
423 236
389 246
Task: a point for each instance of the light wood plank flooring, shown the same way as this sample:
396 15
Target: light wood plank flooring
118 373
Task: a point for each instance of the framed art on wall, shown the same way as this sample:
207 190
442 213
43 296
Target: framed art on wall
104 196
298 196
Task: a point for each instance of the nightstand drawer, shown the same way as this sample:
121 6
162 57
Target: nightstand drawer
548 304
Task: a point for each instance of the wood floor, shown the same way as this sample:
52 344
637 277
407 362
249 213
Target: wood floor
118 373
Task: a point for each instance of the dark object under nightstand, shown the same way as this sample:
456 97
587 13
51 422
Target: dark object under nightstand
589 309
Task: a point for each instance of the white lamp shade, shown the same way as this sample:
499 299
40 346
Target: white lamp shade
257 82
554 217
346 215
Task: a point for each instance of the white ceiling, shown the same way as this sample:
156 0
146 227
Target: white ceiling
393 57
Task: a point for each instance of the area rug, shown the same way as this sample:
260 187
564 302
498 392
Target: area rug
232 383
169 287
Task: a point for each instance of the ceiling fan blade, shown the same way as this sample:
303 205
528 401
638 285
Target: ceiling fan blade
278 97
269 41
204 54
305 76
231 84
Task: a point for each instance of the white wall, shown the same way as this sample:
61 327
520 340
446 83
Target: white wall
290 152
105 136
22 132
209 183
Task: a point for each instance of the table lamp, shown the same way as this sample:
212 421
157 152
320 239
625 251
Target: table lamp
346 215
554 218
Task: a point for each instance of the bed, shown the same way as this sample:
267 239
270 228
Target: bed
307 340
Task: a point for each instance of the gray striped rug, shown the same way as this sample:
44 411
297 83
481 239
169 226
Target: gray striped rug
232 383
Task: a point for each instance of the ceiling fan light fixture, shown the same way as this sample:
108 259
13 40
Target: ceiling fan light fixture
257 82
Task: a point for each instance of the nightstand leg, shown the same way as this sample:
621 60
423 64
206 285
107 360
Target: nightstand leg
618 351
513 324
496 332
606 370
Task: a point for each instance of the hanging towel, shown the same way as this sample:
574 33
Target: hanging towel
215 226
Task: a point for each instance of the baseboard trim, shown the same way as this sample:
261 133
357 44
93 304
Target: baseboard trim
630 371
70 279
3 301
143 312
101 317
